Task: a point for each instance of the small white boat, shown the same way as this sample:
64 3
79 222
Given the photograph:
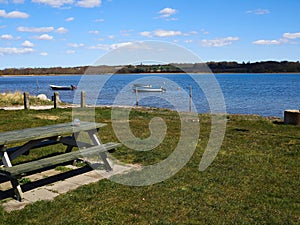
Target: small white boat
149 89
63 88
143 85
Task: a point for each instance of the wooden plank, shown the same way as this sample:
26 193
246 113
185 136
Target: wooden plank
71 141
55 160
36 133
39 145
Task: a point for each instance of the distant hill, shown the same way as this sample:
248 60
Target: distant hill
215 67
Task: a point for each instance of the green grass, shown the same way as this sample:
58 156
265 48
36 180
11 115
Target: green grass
254 179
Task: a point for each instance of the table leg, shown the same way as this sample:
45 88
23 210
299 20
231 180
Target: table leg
5 157
14 181
17 189
103 155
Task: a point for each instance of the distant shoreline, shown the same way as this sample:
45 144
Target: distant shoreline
116 74
215 67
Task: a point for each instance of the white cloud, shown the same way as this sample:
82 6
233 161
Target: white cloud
88 3
146 34
75 45
101 46
291 35
54 3
70 19
44 53
6 37
94 32
259 11
27 44
112 46
70 52
266 42
119 45
15 51
61 30
203 31
287 38
218 42
167 12
111 36
45 37
13 14
166 33
35 29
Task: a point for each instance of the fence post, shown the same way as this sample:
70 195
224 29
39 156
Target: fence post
55 99
26 100
83 99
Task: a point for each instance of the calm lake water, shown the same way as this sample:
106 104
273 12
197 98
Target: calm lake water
262 94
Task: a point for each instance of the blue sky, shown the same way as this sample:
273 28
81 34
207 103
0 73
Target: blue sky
48 33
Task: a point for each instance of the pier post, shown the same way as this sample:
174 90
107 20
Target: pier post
136 97
55 99
26 100
83 99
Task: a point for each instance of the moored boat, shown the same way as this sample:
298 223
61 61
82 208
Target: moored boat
149 89
63 88
143 85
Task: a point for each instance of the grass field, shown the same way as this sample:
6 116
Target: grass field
254 179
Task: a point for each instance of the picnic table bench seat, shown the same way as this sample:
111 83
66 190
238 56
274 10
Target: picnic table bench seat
37 137
17 171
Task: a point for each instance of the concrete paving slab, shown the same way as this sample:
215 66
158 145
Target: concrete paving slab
81 180
62 187
94 174
49 173
35 177
117 169
39 194
5 186
50 191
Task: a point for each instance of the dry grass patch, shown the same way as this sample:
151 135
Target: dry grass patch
17 99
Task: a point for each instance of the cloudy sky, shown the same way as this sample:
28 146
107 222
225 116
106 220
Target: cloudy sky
47 33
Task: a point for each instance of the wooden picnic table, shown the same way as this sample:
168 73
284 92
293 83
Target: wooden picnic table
36 137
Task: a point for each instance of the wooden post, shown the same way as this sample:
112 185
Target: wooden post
56 99
26 100
83 99
136 97
190 102
292 117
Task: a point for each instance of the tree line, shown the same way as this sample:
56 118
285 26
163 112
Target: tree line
215 67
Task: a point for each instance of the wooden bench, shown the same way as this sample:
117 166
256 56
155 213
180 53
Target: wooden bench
17 171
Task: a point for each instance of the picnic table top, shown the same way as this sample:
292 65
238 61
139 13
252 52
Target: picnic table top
35 133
